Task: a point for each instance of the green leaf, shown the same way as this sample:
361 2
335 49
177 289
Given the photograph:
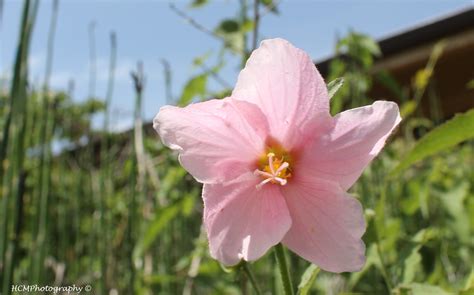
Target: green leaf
247 26
222 93
229 26
196 86
373 260
408 108
188 204
270 4
198 3
411 265
307 280
200 60
423 289
470 281
447 135
232 33
370 45
453 202
162 218
334 86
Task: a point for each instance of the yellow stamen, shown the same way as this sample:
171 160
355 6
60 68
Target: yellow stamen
276 170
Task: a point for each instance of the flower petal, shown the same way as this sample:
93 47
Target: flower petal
284 82
327 225
243 222
217 139
357 136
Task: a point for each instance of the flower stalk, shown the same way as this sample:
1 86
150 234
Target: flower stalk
284 270
248 272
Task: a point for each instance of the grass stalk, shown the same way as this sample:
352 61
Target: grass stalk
46 134
18 82
248 272
168 81
256 23
243 18
14 129
136 180
12 250
139 150
92 60
106 185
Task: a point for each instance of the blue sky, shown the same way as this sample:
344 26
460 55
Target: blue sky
150 31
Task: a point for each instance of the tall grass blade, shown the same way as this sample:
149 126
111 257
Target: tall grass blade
45 141
137 171
106 185
12 153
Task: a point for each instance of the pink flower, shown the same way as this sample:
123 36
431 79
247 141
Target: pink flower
275 165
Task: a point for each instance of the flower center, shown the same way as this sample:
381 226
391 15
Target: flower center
276 170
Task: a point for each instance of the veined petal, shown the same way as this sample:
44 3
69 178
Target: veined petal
217 140
284 82
243 222
357 136
327 225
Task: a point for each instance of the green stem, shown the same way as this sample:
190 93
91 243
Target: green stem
17 88
249 273
384 268
379 234
44 176
284 270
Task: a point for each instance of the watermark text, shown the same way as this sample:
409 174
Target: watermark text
73 289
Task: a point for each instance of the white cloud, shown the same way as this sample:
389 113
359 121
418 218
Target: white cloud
36 63
60 79
122 70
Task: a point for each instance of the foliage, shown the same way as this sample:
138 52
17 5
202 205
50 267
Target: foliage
355 57
441 138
